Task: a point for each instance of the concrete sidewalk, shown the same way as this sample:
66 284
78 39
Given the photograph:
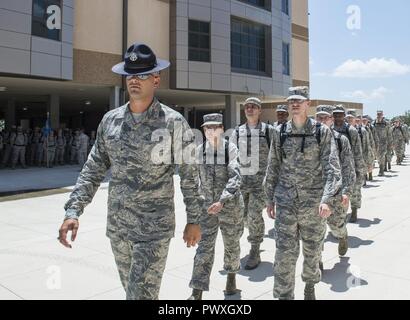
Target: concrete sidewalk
35 178
35 266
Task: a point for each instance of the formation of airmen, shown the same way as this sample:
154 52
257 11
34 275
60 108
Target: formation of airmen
304 171
40 148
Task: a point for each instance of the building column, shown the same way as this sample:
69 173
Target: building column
232 112
11 114
54 109
115 97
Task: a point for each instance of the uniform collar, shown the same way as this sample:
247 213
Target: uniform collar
307 127
258 126
151 113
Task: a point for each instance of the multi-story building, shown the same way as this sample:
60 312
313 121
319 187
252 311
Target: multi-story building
56 55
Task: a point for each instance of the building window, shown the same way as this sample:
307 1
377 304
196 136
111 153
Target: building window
40 17
199 41
264 4
285 6
286 58
248 46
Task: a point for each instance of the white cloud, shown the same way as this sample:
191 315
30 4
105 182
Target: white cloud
374 95
373 68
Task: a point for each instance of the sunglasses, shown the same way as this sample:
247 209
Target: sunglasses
296 101
142 76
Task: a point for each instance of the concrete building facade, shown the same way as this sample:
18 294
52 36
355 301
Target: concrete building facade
221 52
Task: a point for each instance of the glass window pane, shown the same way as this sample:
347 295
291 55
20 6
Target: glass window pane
193 55
204 41
193 40
204 56
193 25
204 27
248 45
39 8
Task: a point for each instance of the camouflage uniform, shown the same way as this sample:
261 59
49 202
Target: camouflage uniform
382 134
35 145
83 148
141 213
406 132
50 149
218 182
19 142
7 148
252 190
337 221
353 136
373 140
280 108
298 179
74 150
366 148
399 142
60 148
390 148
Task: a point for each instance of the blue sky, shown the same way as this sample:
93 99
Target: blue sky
367 62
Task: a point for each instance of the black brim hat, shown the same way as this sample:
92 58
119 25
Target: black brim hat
140 59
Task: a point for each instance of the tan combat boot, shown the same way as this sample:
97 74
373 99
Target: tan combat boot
310 291
254 258
196 295
353 217
343 246
230 289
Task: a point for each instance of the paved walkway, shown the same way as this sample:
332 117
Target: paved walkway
35 266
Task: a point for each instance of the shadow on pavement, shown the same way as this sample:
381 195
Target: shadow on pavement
391 175
365 223
370 186
354 242
261 273
342 277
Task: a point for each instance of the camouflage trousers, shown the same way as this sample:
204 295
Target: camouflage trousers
381 156
230 221
297 221
51 152
389 155
74 155
400 150
34 153
253 213
337 220
6 154
356 198
141 266
82 157
59 158
19 153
